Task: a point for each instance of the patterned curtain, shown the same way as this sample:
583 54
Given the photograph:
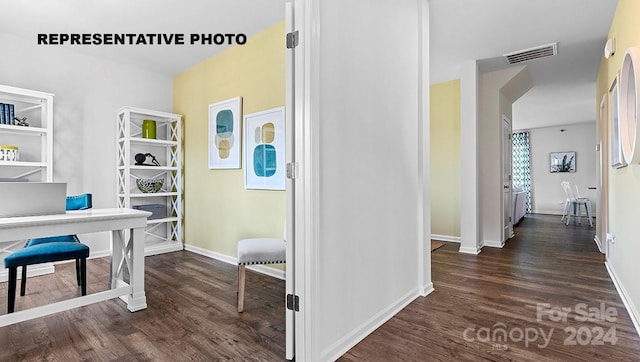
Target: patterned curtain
522 164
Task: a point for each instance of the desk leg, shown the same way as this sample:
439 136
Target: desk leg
137 299
117 254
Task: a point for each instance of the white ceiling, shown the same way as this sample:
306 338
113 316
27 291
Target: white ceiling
30 17
563 86
461 31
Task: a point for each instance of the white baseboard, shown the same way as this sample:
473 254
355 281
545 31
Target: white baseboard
598 243
262 269
451 239
470 250
547 212
358 334
493 243
100 254
162 248
631 308
32 271
427 289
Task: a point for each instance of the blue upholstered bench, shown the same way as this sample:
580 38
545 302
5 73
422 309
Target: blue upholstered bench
43 253
49 250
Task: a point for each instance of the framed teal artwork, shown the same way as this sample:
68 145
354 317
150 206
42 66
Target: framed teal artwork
264 150
225 134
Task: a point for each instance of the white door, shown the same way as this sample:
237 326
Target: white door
602 179
295 191
507 203
290 185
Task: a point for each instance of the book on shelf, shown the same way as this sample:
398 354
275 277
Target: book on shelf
12 114
7 114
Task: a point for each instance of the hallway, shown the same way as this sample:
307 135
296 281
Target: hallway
546 296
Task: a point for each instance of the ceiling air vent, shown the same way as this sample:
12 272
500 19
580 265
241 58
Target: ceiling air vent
524 55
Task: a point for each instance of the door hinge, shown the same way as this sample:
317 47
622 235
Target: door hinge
292 39
509 218
292 171
293 302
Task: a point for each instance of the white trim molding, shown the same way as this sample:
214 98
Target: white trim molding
447 238
470 250
598 243
547 212
427 289
358 334
262 269
100 254
631 308
493 243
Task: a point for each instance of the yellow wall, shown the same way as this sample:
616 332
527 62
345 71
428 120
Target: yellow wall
218 209
445 158
624 183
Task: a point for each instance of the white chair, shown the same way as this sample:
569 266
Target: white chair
573 203
567 202
257 251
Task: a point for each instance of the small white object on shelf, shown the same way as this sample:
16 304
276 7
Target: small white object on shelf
9 153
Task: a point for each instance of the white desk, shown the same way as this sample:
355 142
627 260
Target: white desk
127 248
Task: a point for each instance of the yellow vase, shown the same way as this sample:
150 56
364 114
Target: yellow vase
149 129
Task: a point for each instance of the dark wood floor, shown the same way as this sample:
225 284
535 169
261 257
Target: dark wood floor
192 309
191 315
499 290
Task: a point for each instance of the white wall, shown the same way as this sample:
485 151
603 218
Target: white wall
370 192
547 195
497 92
470 241
88 91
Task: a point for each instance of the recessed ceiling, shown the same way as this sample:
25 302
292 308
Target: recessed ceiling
461 31
563 85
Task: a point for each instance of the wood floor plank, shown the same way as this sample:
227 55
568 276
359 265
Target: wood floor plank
192 314
546 262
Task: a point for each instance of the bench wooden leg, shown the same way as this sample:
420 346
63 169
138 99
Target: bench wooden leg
241 277
83 275
23 281
11 301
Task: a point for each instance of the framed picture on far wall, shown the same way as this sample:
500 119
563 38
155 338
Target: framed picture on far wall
562 161
264 153
617 160
224 134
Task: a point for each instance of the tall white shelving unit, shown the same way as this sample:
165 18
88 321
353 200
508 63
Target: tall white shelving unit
36 141
162 234
35 147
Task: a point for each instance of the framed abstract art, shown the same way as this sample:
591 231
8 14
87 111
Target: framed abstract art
224 134
264 153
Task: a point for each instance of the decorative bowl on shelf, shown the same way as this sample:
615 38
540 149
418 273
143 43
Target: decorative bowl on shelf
149 185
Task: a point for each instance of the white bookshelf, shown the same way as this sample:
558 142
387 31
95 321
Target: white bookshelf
163 234
35 143
35 147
